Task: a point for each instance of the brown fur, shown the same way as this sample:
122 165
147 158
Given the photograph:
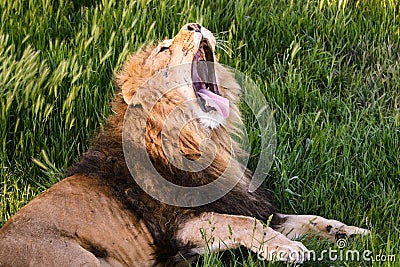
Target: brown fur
98 215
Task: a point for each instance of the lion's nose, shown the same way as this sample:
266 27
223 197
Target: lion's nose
194 27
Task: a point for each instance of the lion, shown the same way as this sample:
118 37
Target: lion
100 216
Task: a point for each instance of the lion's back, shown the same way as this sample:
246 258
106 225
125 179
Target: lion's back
77 221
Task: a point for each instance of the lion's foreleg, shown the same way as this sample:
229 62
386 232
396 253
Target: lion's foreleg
297 225
216 232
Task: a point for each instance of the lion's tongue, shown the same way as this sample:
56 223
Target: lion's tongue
221 104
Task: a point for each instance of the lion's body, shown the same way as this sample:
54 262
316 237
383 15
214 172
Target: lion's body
76 222
100 216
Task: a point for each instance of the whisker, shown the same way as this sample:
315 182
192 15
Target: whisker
224 46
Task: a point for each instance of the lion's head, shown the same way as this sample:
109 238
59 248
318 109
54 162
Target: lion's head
191 50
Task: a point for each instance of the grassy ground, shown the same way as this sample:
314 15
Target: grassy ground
330 70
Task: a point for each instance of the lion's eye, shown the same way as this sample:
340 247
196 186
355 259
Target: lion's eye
162 49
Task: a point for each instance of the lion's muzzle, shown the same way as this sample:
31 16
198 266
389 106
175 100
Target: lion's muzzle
203 74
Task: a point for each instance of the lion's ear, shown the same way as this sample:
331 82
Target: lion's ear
133 74
129 79
127 86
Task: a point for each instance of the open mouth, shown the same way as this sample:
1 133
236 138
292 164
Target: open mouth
205 82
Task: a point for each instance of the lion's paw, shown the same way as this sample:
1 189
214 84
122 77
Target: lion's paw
345 231
284 250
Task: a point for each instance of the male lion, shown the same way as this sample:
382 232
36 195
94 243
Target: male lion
100 216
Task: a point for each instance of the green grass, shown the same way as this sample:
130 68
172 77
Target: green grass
329 69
